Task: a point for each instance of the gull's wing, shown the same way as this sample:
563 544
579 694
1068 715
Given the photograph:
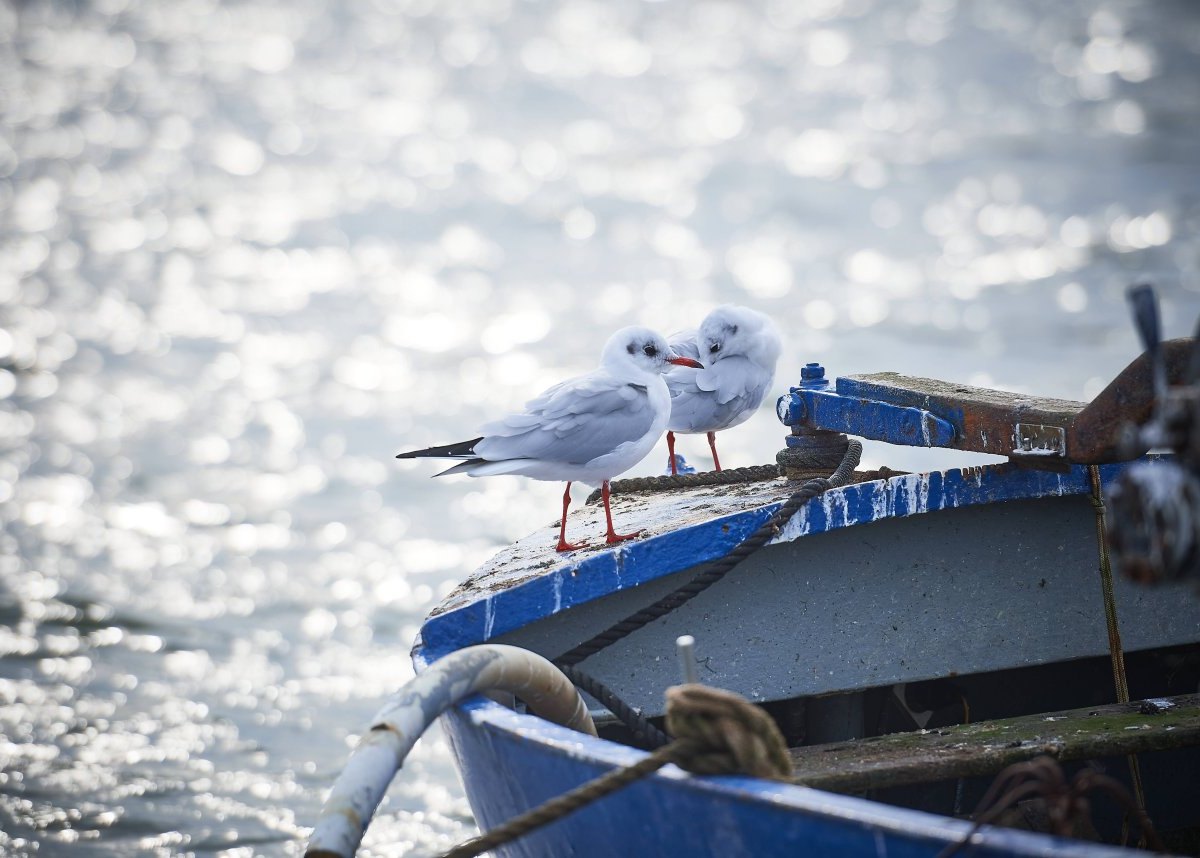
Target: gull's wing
685 344
573 422
713 398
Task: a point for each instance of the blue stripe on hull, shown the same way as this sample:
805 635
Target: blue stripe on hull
635 563
511 763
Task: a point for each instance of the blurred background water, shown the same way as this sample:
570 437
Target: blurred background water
249 251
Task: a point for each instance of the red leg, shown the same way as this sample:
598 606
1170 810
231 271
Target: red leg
671 451
712 443
613 536
563 545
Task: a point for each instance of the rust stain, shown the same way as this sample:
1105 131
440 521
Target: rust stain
352 816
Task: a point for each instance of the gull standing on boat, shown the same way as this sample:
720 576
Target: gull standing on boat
587 429
738 348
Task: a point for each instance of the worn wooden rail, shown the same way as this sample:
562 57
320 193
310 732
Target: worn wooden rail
899 759
1035 430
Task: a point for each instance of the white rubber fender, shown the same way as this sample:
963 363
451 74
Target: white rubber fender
408 713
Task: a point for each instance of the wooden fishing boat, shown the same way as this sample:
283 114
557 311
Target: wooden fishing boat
911 635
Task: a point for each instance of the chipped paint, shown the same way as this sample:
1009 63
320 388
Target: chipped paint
489 617
847 412
558 583
882 406
529 579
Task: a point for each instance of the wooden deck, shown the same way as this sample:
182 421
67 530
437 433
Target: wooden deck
985 748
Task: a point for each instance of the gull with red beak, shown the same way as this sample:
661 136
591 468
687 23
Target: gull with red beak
739 348
587 429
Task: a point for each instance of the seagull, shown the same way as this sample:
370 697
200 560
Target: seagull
739 348
588 429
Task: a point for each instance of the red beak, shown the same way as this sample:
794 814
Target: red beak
685 361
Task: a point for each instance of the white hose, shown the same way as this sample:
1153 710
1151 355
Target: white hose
408 713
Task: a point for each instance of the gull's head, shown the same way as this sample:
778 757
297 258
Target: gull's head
643 349
730 331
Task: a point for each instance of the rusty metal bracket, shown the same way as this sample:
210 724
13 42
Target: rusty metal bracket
1129 398
1035 439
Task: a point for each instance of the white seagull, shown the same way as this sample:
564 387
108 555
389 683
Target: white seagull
739 348
587 429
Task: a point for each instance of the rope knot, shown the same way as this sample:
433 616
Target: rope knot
722 733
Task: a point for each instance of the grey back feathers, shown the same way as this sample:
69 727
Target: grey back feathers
592 426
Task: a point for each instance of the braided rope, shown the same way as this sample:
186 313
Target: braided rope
792 459
730 476
718 568
569 802
643 731
1106 588
716 732
1114 629
731 734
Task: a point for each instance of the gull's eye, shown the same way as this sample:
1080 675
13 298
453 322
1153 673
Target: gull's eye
650 350
714 348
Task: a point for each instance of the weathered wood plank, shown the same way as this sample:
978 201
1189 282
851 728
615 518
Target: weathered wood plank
1033 429
987 747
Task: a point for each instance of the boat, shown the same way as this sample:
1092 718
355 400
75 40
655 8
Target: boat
911 635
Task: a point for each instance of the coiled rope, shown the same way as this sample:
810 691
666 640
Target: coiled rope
716 733
729 476
644 732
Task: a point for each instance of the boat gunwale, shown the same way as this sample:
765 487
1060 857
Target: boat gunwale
576 582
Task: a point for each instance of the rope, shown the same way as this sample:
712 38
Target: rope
1114 631
644 732
717 732
719 568
796 459
1106 586
569 802
1066 804
730 476
731 734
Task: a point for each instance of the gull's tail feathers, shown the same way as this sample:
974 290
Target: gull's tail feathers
459 450
484 468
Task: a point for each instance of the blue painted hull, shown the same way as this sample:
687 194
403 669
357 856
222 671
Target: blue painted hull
512 762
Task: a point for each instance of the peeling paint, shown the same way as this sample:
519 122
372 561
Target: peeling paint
529 579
